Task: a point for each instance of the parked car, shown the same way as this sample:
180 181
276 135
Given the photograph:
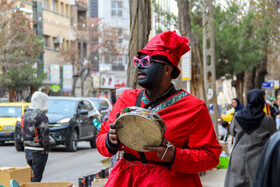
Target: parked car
9 113
102 105
70 121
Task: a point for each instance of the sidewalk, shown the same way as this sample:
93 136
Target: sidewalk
214 178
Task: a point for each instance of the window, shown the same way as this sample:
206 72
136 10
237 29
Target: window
117 59
47 4
85 105
47 41
116 8
62 8
119 33
104 105
55 5
10 111
67 10
88 105
56 42
61 107
67 44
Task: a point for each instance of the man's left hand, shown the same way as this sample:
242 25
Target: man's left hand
169 155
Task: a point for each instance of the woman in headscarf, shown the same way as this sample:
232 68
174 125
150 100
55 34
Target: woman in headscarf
235 102
251 128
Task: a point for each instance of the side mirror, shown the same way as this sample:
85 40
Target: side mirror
83 112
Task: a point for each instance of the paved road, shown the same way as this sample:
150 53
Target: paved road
61 165
67 166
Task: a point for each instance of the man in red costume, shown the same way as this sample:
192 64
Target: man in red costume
190 145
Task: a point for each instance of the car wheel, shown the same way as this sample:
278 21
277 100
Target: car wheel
19 146
72 145
93 141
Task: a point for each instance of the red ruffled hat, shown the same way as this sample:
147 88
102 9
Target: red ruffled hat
168 44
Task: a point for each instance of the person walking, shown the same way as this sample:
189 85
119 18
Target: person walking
268 172
35 130
236 104
268 109
252 128
190 145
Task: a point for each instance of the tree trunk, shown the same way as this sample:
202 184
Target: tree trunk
261 71
258 74
240 87
74 84
197 81
140 26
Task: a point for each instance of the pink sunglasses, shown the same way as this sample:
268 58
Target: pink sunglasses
145 62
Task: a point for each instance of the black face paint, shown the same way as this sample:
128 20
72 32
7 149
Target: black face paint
150 77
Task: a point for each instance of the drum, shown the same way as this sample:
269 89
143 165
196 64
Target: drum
138 127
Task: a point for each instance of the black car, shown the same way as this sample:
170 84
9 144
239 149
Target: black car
101 104
70 121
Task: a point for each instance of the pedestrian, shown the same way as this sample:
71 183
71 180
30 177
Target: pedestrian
221 129
226 125
268 109
274 105
236 104
278 116
252 128
193 145
35 130
268 172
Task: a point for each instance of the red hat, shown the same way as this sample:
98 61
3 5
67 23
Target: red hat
168 44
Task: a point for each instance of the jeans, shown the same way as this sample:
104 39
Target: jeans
37 160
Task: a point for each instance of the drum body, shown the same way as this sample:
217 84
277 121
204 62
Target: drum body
138 127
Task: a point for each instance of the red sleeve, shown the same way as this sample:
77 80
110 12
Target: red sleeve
203 148
125 100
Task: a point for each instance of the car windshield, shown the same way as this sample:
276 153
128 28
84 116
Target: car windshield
62 107
10 111
96 103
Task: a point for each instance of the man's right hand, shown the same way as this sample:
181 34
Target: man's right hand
113 137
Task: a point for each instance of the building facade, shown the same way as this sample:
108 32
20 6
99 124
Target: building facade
112 68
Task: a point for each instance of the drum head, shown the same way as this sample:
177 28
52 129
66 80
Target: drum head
136 131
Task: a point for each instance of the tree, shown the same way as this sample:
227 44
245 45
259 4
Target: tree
140 26
100 38
242 43
268 22
19 47
185 28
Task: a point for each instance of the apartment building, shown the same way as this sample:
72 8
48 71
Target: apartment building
112 68
61 21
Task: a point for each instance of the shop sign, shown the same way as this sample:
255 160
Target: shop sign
55 88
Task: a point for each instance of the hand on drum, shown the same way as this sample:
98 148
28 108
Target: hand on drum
165 152
113 137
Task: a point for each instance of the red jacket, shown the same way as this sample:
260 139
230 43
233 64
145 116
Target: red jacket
188 127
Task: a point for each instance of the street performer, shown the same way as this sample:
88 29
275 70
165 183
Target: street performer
190 145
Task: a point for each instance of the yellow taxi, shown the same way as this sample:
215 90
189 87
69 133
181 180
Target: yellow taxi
9 113
228 115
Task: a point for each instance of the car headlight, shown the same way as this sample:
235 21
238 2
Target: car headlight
63 122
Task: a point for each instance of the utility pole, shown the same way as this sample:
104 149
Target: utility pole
82 64
209 60
38 28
